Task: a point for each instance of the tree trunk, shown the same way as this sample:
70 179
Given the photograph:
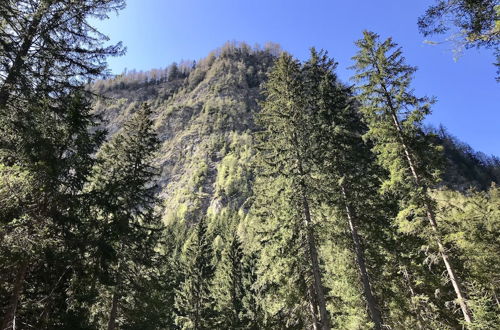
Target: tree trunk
313 308
313 254
311 241
408 281
496 297
360 260
114 309
10 314
451 273
432 219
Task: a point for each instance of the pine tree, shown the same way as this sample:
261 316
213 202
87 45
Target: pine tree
123 189
394 117
194 303
285 154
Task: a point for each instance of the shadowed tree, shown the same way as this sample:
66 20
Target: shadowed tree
122 185
194 303
45 152
48 47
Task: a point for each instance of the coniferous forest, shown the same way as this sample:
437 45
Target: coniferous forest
246 190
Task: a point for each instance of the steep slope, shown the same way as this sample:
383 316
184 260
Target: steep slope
204 118
465 167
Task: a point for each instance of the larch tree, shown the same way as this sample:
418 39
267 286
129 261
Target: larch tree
394 117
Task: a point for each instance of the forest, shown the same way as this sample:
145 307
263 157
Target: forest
245 190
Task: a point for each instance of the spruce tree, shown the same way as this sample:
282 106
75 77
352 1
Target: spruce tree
285 157
46 154
343 159
394 117
194 303
229 290
48 51
123 190
253 313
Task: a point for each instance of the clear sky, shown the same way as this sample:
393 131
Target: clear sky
159 32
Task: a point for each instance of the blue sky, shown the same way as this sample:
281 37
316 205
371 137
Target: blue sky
159 32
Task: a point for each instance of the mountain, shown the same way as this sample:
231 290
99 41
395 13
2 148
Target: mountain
204 115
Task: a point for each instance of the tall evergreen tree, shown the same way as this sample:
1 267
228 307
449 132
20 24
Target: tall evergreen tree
254 315
123 189
47 150
394 117
48 50
194 303
286 153
229 290
345 160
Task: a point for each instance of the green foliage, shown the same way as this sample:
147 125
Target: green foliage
394 117
477 20
194 303
50 47
284 196
468 23
464 167
46 157
230 288
471 225
127 228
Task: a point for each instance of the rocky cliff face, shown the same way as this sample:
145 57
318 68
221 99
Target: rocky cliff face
204 116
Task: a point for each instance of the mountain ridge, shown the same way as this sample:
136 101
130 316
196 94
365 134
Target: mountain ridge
204 119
